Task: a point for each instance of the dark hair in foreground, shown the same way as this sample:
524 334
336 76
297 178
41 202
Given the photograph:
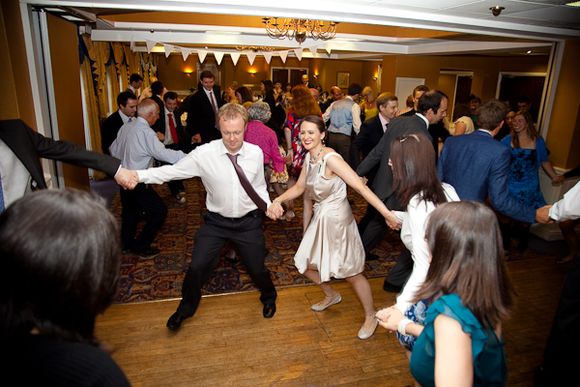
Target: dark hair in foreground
468 259
60 256
124 97
430 100
414 172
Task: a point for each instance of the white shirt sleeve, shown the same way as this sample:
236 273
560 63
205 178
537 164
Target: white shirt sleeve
356 122
185 168
326 115
568 207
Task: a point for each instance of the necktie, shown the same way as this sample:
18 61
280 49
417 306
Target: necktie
386 126
246 184
172 129
215 109
1 196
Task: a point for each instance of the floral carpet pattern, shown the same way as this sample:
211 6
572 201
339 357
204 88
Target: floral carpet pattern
160 277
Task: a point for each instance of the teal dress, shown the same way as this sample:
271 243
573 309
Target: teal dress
487 349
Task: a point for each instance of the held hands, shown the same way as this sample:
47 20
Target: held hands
543 214
196 139
275 210
126 178
558 179
393 222
389 318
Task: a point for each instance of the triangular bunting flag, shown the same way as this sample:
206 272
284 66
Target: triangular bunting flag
168 48
267 56
235 56
251 56
313 49
201 54
283 55
298 52
219 55
185 53
328 49
150 44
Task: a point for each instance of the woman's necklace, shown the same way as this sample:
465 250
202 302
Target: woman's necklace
315 159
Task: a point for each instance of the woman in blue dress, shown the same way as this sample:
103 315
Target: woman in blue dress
528 153
469 295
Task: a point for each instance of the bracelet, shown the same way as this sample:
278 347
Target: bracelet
402 326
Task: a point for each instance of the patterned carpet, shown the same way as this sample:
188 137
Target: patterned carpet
160 277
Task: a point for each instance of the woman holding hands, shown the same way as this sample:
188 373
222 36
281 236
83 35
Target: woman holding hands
331 246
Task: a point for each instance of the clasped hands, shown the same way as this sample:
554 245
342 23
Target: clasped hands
389 318
126 178
275 210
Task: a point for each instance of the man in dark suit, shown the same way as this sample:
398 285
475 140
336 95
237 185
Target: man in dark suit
20 168
203 109
478 167
157 90
127 102
418 91
432 108
371 132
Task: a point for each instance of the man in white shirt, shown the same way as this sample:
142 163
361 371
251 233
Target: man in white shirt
137 146
234 212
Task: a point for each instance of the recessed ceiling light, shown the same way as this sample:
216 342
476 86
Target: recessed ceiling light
529 52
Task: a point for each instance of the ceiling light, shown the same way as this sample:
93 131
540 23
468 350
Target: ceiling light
299 29
529 52
496 11
573 4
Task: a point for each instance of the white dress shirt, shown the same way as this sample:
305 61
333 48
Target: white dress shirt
225 194
413 236
568 207
168 140
137 145
15 176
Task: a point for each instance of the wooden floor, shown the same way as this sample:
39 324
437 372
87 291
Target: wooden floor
229 343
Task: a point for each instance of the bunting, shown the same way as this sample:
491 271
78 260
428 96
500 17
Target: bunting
298 52
235 56
219 55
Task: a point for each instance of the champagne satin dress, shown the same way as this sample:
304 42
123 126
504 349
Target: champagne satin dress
331 244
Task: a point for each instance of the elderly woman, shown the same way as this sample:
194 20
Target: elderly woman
258 133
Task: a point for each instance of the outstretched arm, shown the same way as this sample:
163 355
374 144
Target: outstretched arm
338 166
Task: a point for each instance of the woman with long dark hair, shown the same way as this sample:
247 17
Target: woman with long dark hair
331 246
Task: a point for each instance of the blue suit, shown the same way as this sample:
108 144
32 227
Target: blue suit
478 167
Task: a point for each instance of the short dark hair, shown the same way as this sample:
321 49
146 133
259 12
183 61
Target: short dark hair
125 96
422 88
354 89
430 100
245 93
60 264
157 88
206 74
384 98
473 97
414 171
490 114
135 78
468 259
169 95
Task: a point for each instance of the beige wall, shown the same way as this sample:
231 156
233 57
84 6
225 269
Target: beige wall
14 67
63 42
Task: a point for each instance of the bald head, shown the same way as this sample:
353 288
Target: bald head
336 93
148 110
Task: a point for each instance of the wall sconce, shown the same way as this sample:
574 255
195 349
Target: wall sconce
187 72
252 71
375 76
316 75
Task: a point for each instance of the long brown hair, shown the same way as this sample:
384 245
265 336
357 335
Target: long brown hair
303 103
413 166
530 129
468 259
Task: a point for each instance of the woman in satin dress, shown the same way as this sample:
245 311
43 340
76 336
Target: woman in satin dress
331 246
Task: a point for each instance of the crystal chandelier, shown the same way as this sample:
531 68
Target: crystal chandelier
299 29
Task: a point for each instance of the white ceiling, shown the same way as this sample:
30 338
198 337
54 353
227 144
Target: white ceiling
521 25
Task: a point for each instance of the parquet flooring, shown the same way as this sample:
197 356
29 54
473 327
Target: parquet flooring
229 343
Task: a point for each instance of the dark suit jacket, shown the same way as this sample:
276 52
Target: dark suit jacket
28 146
371 132
158 125
478 167
109 129
383 182
201 117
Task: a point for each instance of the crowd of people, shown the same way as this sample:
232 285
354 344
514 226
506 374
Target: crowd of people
420 173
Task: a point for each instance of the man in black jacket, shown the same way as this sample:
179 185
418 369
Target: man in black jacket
127 102
203 109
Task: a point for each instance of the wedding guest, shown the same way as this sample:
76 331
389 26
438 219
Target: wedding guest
331 246
52 287
469 295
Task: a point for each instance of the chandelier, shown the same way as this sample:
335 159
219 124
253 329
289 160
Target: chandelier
299 29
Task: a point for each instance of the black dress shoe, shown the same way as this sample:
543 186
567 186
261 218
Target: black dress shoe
389 287
269 310
174 322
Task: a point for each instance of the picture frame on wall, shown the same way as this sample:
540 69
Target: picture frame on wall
342 79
